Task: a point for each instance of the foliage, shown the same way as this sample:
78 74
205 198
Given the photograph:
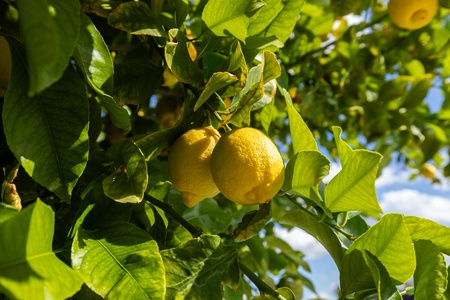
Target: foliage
85 140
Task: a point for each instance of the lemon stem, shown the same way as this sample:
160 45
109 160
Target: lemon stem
263 287
322 220
194 231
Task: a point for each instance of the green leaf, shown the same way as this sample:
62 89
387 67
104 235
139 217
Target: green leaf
355 274
119 261
302 137
224 17
430 277
252 223
7 212
344 7
28 267
276 18
209 216
129 182
389 241
318 230
419 89
284 292
385 287
447 290
198 268
50 30
353 188
48 133
217 81
272 69
305 170
94 59
179 61
424 229
136 18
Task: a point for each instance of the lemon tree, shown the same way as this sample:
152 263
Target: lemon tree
154 149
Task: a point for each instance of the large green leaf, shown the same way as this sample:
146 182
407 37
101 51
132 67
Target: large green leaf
129 182
217 81
305 170
318 230
119 261
302 137
28 267
198 268
48 133
50 30
389 241
355 274
353 188
424 229
94 59
179 61
430 277
228 17
276 18
385 287
136 18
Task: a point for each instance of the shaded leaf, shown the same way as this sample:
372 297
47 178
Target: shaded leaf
197 268
28 267
430 277
355 274
50 30
302 137
208 215
417 93
48 133
252 223
179 61
318 230
385 287
344 7
224 18
94 59
136 18
120 261
129 182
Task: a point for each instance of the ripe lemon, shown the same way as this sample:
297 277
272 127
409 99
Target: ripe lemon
428 171
412 14
247 166
189 164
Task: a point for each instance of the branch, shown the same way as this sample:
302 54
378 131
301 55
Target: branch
195 232
261 285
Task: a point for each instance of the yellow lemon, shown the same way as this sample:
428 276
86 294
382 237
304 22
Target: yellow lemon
189 164
428 170
247 166
412 14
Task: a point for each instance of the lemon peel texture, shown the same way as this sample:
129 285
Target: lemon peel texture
189 164
412 14
247 166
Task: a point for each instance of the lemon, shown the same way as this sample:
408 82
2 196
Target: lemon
428 171
247 166
189 164
412 14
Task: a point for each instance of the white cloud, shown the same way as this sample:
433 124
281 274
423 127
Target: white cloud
392 175
414 203
301 241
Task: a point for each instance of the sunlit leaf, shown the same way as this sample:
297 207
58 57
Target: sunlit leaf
93 57
197 268
217 81
119 261
430 277
318 230
302 137
28 267
224 18
50 30
48 136
424 229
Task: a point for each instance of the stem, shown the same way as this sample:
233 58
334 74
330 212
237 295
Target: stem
261 285
195 232
322 220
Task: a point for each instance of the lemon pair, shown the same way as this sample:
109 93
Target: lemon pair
243 164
